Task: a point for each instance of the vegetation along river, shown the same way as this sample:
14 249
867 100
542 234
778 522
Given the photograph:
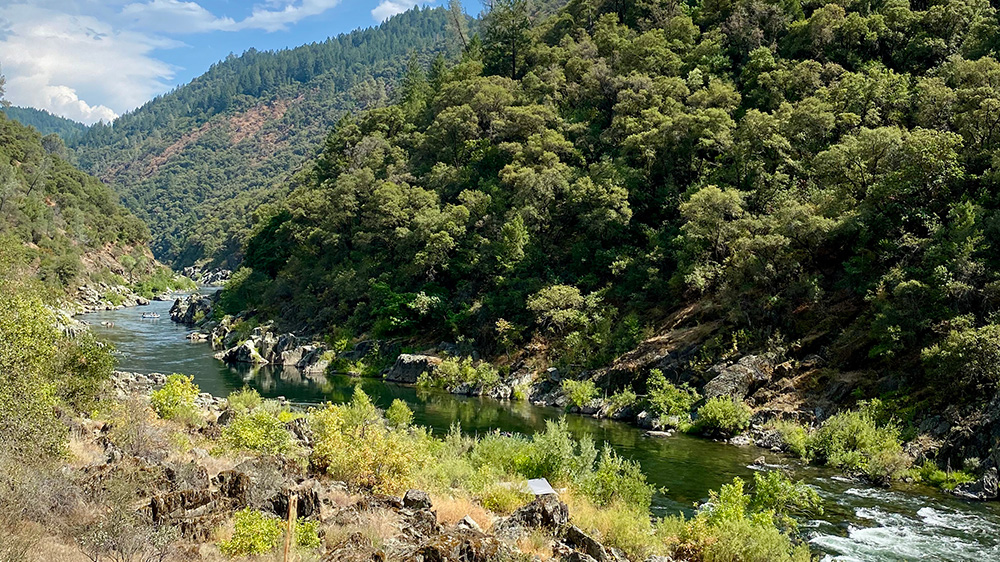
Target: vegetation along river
860 522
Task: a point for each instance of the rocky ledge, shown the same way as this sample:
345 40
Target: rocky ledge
102 296
195 497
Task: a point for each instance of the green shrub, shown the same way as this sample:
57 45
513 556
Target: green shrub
622 399
735 526
855 442
502 499
580 393
254 533
967 356
307 533
175 401
665 399
453 372
617 480
723 415
946 480
794 436
260 431
244 401
399 414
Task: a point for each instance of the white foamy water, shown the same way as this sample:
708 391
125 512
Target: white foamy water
933 533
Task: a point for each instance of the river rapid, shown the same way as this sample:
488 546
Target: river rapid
860 522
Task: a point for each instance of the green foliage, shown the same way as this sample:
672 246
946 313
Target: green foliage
307 533
622 399
259 430
580 393
856 442
175 400
57 212
723 415
968 358
794 436
244 401
737 526
399 414
946 480
617 480
452 372
254 533
668 400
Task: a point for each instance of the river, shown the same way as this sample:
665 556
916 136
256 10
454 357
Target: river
860 522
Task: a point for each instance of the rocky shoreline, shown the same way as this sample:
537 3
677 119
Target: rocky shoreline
761 380
196 502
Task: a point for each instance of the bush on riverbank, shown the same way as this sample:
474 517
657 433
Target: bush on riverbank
579 393
723 415
856 441
666 399
175 400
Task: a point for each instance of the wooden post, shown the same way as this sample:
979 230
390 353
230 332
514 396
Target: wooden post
293 500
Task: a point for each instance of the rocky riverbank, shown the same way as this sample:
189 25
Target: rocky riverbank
194 495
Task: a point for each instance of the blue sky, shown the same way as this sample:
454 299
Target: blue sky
90 60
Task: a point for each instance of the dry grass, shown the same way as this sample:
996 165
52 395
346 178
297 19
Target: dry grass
83 452
451 510
536 544
52 549
378 526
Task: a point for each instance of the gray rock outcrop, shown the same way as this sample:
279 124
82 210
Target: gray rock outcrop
408 368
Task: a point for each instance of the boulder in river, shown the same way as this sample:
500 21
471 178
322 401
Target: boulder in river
408 367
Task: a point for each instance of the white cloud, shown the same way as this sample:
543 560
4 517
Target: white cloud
389 8
288 13
174 16
59 62
94 59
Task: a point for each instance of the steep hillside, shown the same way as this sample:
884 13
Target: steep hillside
819 180
45 122
197 162
66 228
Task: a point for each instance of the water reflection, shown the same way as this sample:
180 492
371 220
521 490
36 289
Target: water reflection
860 522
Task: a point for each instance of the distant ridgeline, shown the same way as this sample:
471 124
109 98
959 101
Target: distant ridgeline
65 225
45 122
197 162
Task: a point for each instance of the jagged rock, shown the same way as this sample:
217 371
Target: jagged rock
659 559
577 556
408 368
589 545
468 523
416 499
740 379
546 512
501 392
307 502
246 352
984 489
463 545
191 309
235 485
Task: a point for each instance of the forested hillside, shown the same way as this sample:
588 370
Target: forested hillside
819 177
195 163
45 122
66 226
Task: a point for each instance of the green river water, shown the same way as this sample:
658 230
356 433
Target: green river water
860 522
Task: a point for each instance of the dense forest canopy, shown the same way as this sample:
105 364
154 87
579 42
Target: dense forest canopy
818 172
45 122
51 213
196 162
